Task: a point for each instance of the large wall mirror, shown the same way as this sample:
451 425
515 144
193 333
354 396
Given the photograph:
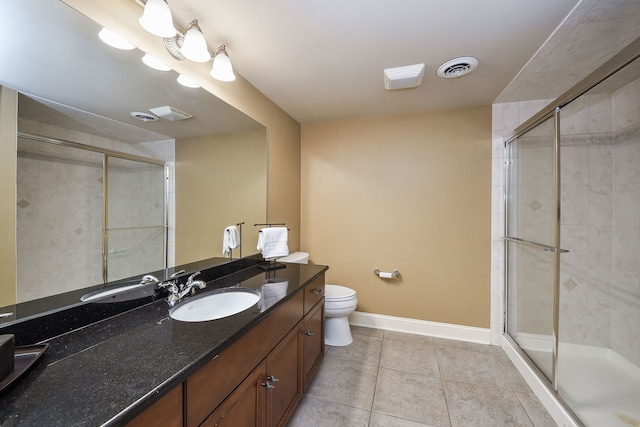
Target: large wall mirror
172 185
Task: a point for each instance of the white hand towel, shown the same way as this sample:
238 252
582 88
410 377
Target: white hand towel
273 242
230 240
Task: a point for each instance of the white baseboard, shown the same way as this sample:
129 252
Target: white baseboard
421 327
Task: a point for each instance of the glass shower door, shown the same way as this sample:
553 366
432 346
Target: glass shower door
531 210
135 232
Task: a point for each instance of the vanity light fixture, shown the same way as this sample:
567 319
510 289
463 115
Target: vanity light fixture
187 82
222 69
115 40
194 46
157 19
155 63
191 45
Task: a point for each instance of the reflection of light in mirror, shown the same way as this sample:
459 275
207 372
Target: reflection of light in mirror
115 40
155 63
187 82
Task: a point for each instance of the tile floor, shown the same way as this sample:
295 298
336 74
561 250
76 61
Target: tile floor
393 379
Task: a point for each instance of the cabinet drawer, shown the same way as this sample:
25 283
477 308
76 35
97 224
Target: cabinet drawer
313 293
209 386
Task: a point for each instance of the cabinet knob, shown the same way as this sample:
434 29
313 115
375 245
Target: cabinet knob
273 378
308 333
268 385
316 291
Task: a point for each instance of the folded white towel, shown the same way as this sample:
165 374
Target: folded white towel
273 242
230 240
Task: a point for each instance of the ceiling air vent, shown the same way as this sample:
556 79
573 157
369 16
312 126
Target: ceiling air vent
170 113
457 67
403 77
145 117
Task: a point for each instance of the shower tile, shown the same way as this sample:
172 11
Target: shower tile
575 165
412 397
600 113
626 157
599 307
600 205
575 118
474 405
574 200
626 246
626 205
601 164
600 245
410 356
626 106
317 412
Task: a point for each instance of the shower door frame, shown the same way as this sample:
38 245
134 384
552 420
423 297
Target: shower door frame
616 63
106 153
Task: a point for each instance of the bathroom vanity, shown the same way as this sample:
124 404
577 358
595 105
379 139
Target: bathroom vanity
143 368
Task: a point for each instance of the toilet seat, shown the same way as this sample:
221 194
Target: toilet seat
338 293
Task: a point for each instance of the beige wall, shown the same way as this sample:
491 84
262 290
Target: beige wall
283 132
8 162
410 192
220 181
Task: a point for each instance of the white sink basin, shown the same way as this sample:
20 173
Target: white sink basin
215 305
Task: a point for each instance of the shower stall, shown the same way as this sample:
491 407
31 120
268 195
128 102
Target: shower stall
85 216
572 245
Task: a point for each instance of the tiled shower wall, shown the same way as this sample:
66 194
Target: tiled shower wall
600 223
65 197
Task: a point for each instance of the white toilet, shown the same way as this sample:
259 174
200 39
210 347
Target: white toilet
339 303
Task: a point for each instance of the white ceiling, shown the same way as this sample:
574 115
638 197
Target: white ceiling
324 59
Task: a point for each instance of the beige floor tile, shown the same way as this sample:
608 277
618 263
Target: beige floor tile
319 413
470 367
536 412
413 397
345 382
401 336
382 420
463 345
361 330
512 375
473 405
364 349
418 357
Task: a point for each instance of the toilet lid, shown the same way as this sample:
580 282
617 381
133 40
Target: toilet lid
337 292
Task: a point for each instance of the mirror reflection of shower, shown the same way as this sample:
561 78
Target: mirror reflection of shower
85 215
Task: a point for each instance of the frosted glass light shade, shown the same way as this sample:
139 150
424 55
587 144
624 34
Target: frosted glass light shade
194 46
115 40
155 63
187 82
222 69
157 19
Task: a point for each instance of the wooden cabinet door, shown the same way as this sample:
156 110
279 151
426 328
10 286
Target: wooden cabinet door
284 371
245 406
313 342
166 412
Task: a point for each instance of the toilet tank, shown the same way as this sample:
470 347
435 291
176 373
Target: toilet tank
296 258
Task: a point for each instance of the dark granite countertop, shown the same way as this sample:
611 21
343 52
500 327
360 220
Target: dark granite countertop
109 372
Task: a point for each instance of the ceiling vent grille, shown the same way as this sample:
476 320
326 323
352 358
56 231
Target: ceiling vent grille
457 67
406 77
145 117
170 113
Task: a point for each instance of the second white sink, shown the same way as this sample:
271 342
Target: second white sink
215 305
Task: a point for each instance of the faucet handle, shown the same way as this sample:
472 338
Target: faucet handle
190 279
146 279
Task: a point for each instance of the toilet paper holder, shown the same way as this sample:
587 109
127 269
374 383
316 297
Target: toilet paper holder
386 275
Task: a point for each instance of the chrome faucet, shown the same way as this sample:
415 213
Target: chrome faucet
178 291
